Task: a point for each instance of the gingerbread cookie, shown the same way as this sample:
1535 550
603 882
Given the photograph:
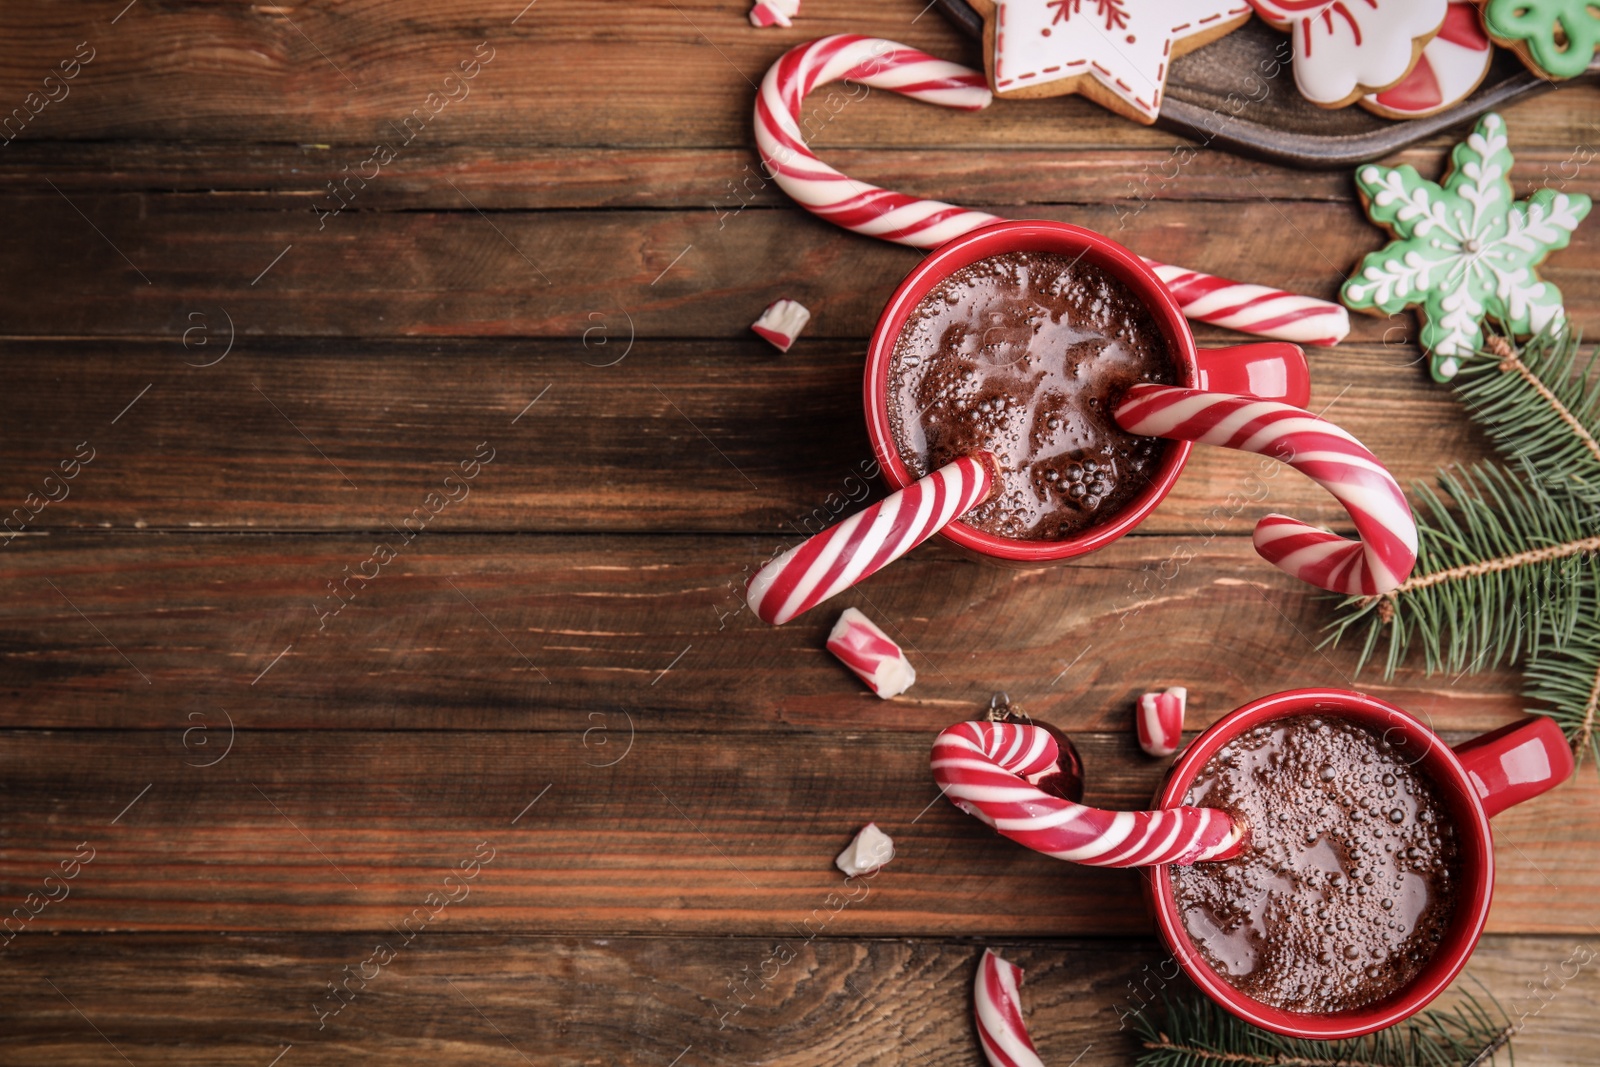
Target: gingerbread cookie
1115 52
1555 39
1463 249
1345 49
1453 64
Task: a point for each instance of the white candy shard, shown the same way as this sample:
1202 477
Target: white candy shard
1160 720
871 654
774 12
871 849
782 322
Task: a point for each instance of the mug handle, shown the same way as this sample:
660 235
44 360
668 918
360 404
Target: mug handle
1274 370
1516 762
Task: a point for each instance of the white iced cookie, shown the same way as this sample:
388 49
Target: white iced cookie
1115 52
1452 65
1346 49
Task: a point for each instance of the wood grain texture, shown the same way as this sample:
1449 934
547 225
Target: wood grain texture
559 667
627 433
679 75
283 177
677 274
510 632
348 830
512 999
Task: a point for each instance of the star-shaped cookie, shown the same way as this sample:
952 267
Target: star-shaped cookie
1115 52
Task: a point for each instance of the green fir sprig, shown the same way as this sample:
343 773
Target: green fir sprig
1499 562
1508 564
1541 408
1194 1032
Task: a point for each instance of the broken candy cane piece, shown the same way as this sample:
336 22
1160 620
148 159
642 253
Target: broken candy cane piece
997 1008
782 322
871 849
871 654
774 12
1160 720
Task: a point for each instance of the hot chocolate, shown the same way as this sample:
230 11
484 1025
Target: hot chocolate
1026 354
1348 883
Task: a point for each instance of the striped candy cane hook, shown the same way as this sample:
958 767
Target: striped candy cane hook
988 770
866 209
1379 562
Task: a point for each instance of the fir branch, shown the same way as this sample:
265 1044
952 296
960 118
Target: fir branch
1195 1032
1540 408
1508 564
1504 563
1568 682
1499 562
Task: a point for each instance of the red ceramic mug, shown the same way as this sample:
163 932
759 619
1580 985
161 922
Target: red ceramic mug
1248 397
1270 370
1476 781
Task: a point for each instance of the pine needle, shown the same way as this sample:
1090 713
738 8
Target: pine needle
1195 1032
1569 684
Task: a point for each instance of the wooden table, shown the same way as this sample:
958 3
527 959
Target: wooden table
538 753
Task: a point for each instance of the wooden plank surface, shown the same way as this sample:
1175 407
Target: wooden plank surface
655 75
660 435
559 271
334 829
448 996
513 176
510 632
143 263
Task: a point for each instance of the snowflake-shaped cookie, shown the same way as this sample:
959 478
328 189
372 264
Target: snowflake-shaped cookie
1463 250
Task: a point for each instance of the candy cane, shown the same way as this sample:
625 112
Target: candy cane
843 555
817 187
1257 309
1159 721
997 1008
1387 551
780 324
871 654
908 220
988 770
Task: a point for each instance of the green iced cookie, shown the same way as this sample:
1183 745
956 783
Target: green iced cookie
1463 250
1554 38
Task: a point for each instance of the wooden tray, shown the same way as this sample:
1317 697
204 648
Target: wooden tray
1285 127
